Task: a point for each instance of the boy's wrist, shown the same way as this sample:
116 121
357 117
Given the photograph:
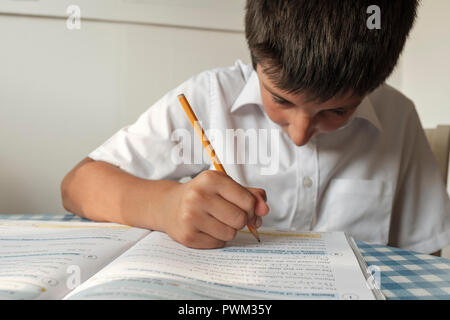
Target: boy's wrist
160 203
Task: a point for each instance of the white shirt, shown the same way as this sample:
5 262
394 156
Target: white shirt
375 178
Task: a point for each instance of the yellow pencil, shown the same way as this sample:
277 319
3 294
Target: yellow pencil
206 144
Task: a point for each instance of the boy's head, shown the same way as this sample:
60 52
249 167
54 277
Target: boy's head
317 59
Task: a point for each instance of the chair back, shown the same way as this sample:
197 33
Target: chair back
439 140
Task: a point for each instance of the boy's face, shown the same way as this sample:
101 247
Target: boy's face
301 119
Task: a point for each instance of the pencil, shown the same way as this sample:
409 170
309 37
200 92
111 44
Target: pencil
206 144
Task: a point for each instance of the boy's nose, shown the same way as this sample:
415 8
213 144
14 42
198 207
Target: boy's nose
300 131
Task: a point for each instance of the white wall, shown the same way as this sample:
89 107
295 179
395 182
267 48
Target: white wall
63 93
423 73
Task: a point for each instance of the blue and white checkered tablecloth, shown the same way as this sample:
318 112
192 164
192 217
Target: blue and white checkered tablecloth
404 275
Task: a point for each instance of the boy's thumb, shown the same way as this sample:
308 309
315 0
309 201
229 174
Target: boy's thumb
261 207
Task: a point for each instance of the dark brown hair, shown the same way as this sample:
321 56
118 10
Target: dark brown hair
324 47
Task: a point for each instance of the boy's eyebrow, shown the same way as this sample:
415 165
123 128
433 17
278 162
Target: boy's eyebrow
348 106
274 94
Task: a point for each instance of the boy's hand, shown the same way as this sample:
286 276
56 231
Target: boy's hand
208 210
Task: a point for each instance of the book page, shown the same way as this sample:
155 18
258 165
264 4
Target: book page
282 266
46 260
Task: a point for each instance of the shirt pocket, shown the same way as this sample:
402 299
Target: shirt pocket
361 208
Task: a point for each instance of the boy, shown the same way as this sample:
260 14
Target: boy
351 154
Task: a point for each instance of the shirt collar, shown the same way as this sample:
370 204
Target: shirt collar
251 95
366 111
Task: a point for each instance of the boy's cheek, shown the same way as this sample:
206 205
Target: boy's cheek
320 125
329 125
276 116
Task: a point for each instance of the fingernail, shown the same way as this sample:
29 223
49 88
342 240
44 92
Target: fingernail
254 221
258 222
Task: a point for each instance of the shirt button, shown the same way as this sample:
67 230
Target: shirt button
307 182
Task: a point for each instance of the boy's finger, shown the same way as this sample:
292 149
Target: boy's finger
261 207
233 192
258 222
227 212
259 192
204 241
215 228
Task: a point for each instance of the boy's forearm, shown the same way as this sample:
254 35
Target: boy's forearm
102 192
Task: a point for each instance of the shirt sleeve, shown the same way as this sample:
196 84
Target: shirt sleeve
421 213
162 144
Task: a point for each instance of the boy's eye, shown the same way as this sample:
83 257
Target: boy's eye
280 101
339 111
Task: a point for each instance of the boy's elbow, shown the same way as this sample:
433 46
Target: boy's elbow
64 189
67 187
65 192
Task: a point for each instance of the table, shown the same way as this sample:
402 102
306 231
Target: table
402 274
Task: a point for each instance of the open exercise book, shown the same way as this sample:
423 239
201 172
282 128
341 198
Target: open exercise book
88 260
